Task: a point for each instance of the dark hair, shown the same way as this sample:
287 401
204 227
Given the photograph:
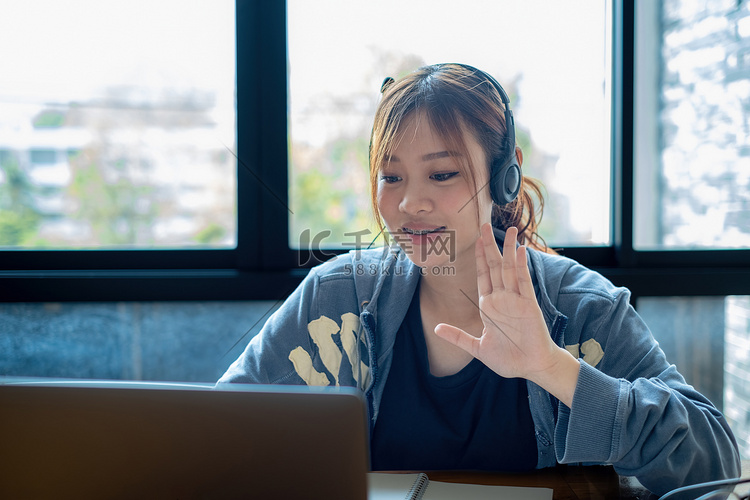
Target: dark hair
455 98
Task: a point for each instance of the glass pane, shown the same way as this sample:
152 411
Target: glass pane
340 51
116 120
708 339
692 142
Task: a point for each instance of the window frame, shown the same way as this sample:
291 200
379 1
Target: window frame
262 266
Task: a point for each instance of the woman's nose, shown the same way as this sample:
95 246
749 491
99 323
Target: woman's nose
415 199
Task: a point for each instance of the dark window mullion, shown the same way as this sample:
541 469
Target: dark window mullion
249 93
274 162
622 131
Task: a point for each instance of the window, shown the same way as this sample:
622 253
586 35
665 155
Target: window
692 155
286 92
118 125
563 122
687 247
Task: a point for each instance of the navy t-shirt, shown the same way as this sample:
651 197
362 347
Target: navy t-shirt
472 420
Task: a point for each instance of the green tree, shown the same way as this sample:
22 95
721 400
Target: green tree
117 211
211 234
19 220
110 189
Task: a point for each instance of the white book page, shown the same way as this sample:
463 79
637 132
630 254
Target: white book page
387 486
439 490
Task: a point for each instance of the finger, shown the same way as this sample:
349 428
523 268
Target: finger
484 282
525 285
510 271
458 337
493 257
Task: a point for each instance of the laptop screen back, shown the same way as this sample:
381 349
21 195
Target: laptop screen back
107 441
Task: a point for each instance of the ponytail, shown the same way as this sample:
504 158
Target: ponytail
525 213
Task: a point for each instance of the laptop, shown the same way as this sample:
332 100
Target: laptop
86 439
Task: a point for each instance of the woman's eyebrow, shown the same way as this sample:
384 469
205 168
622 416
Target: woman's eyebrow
440 154
427 157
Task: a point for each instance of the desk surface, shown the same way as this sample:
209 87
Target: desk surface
569 482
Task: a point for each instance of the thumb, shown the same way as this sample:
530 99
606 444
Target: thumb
458 337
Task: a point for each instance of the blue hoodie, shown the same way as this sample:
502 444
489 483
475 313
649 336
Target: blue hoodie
631 408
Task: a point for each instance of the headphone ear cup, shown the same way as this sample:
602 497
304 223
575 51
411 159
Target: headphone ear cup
506 181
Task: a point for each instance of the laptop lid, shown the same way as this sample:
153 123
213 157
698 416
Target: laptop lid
110 440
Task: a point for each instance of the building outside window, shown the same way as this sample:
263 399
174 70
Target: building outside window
117 125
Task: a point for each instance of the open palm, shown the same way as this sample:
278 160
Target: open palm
515 341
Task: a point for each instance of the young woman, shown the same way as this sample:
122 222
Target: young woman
473 358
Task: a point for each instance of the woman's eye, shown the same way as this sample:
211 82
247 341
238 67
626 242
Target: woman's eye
444 176
389 179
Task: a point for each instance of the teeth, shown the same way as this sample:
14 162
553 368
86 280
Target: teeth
422 231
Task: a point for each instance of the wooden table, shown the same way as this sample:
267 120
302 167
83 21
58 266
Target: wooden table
570 482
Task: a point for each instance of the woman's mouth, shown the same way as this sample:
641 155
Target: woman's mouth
420 235
420 232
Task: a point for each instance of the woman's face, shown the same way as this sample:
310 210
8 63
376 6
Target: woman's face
427 205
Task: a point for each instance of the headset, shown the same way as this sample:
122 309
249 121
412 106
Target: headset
505 172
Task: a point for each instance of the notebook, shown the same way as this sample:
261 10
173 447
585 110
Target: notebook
388 486
130 440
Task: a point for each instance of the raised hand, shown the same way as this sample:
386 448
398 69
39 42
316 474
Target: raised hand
515 341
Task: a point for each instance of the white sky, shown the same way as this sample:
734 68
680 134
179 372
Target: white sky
558 47
63 50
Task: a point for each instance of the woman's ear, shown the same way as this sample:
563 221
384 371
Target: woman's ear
519 156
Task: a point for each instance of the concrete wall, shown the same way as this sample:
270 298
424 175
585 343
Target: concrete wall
166 341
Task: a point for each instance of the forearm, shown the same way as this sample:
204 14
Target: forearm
560 378
659 430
